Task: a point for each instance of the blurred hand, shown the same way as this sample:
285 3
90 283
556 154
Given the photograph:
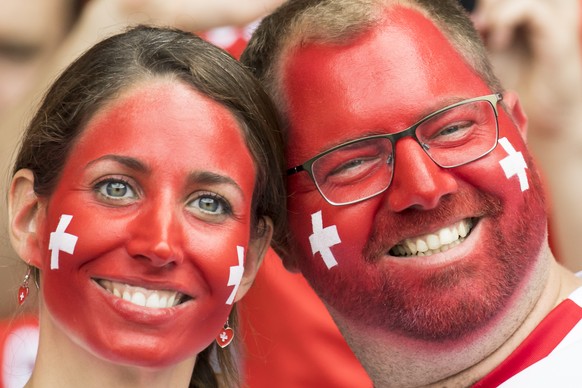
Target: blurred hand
535 49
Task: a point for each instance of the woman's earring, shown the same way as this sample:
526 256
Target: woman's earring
226 335
23 290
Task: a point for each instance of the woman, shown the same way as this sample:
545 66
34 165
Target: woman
145 194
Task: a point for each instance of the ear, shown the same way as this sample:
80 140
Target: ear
257 250
516 112
24 211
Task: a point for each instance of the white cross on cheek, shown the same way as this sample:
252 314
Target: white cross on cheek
61 241
323 239
514 164
236 274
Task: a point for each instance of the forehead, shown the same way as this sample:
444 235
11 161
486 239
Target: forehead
170 124
384 81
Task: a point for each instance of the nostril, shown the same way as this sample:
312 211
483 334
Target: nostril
158 254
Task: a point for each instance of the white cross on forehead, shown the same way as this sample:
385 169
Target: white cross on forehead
514 164
61 241
323 239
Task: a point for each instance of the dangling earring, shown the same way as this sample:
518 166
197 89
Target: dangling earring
23 290
226 335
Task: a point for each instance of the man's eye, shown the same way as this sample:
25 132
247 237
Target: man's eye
347 166
458 129
449 130
115 189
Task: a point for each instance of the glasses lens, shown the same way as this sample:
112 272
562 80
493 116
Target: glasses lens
460 134
354 171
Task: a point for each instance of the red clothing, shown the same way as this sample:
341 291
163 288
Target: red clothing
290 338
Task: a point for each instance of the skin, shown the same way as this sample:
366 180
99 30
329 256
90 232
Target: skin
150 210
417 320
42 25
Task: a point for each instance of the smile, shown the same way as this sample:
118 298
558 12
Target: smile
157 299
439 241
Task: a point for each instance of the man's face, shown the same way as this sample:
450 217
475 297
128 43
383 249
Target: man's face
159 187
30 32
383 83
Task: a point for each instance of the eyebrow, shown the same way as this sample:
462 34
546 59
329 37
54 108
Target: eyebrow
211 178
127 161
437 105
195 177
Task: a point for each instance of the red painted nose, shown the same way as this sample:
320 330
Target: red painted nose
418 182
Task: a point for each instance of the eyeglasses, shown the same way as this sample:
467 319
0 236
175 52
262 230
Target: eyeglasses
360 169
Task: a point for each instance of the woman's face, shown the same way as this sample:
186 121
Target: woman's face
144 238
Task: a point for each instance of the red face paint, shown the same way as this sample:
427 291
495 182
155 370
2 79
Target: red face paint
383 83
159 186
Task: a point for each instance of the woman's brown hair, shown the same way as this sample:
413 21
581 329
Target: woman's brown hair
143 52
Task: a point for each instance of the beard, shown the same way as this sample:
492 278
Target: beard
439 303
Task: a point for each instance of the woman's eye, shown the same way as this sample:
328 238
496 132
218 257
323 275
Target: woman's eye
116 189
211 204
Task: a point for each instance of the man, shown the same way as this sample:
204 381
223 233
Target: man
415 211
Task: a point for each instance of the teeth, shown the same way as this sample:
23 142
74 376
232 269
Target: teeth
432 243
421 246
140 296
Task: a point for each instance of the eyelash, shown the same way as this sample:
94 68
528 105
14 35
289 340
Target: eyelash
227 208
101 184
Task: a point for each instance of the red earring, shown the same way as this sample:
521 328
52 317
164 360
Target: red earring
226 335
23 290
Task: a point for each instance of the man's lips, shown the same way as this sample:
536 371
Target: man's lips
144 297
439 241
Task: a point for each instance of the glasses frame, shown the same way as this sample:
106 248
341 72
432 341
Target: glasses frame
492 99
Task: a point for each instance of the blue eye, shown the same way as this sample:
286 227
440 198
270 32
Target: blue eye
211 204
115 189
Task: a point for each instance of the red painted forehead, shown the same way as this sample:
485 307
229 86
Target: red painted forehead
383 82
164 118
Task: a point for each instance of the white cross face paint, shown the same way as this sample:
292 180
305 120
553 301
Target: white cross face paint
236 274
323 239
514 164
61 241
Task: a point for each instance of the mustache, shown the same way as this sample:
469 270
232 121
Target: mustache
390 228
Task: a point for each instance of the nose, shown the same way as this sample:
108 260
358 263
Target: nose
417 182
155 235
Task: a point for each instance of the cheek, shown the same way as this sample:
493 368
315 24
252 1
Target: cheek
506 173
221 264
330 236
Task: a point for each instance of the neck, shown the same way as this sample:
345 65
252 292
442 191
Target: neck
393 360
62 363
